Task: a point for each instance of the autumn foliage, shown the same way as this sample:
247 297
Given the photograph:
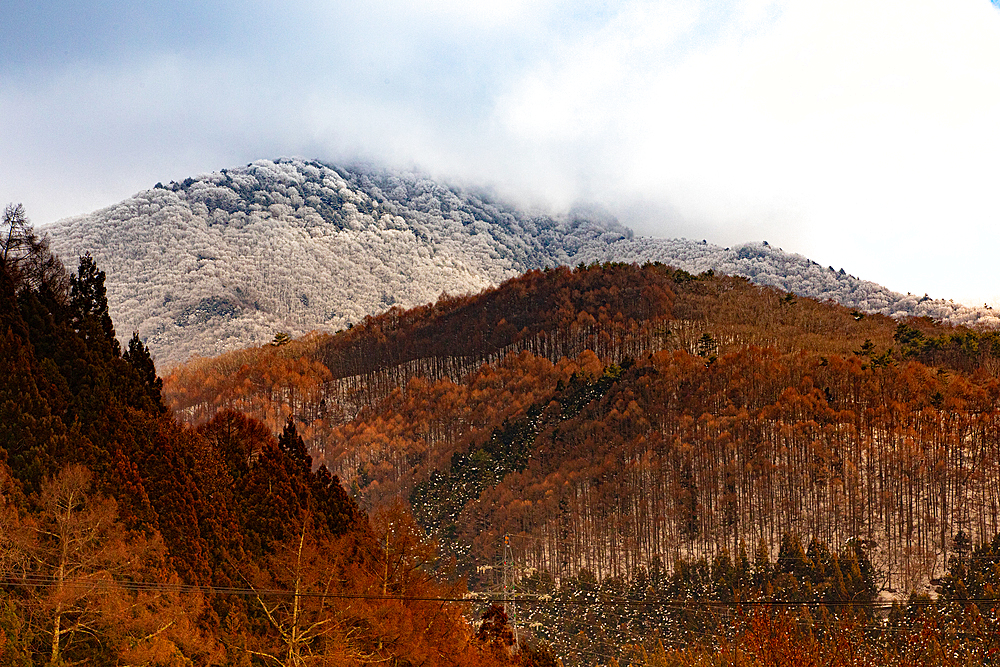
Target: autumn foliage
127 537
615 414
615 420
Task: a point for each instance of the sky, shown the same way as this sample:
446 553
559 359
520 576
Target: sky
863 134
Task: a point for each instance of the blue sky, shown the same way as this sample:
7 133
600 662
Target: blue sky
861 134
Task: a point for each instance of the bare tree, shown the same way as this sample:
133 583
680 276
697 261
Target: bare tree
18 233
77 560
26 257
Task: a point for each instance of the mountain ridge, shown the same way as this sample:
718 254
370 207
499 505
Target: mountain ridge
226 259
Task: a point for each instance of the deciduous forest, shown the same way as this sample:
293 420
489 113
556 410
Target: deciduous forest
612 421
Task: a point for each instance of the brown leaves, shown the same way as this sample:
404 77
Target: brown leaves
358 599
85 577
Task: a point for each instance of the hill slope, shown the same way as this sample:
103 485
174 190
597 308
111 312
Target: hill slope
228 259
127 538
615 415
766 265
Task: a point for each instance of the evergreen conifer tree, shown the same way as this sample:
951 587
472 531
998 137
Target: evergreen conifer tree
89 301
137 355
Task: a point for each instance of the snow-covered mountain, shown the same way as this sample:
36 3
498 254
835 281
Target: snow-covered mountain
226 260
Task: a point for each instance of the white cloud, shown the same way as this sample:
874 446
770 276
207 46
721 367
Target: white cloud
863 134
840 122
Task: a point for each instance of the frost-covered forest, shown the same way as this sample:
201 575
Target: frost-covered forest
225 260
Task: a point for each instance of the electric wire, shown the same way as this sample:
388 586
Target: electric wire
536 599
724 609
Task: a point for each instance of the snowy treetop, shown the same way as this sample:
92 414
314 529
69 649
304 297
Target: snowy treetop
224 260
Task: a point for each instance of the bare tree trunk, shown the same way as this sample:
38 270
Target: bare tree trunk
64 540
55 634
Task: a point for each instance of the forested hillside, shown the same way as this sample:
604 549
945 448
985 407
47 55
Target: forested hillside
612 415
225 260
648 466
637 450
129 538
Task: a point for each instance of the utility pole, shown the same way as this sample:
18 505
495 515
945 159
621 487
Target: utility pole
510 607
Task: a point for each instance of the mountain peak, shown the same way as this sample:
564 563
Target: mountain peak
225 259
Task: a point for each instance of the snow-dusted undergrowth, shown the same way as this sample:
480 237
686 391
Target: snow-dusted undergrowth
227 259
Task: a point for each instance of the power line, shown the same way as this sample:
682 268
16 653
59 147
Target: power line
676 605
139 586
531 599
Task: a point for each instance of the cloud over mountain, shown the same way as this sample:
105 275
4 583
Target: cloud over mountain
227 259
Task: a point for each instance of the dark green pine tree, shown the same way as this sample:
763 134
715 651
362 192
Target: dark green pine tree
341 512
89 302
836 591
328 494
743 570
763 569
953 586
138 357
294 447
29 433
237 440
819 564
275 498
792 557
858 571
795 567
724 578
